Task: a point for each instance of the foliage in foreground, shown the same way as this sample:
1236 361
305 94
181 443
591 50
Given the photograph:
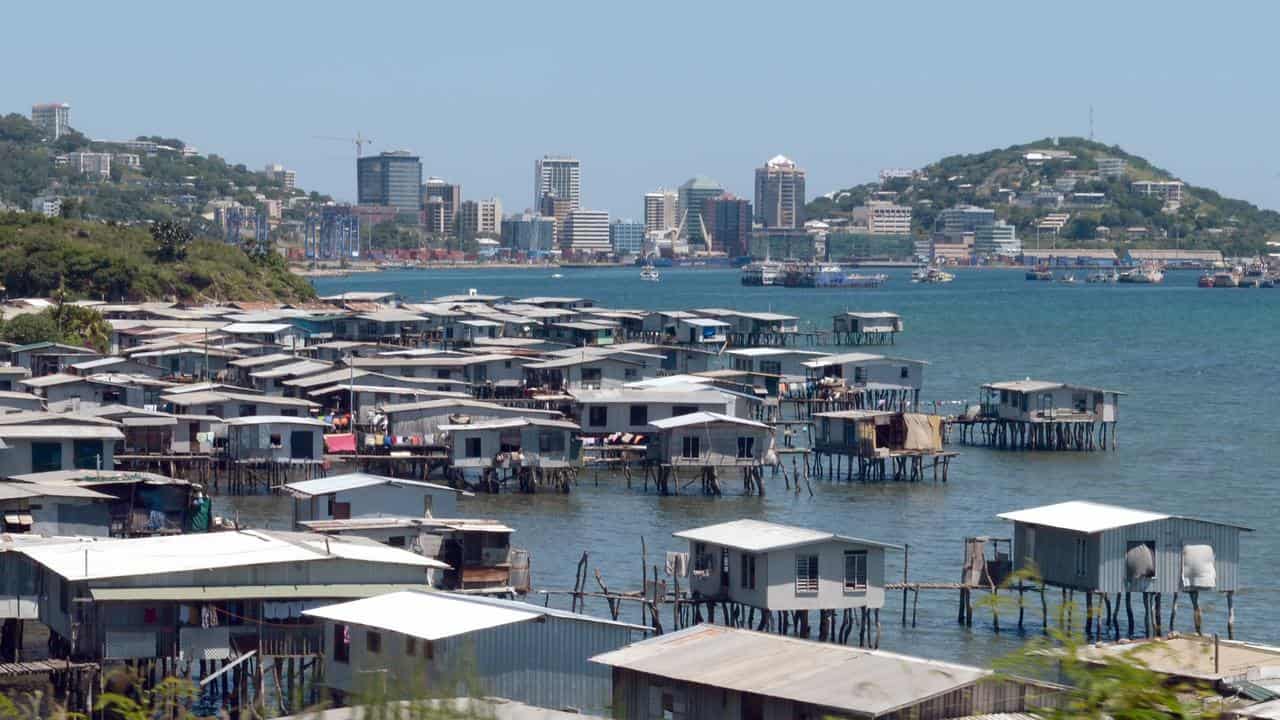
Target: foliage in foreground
39 256
70 324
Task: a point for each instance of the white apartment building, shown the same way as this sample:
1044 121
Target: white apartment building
90 163
285 176
885 218
586 231
560 176
53 118
1167 190
660 210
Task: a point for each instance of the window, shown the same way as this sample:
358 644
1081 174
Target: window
859 375
302 445
373 642
691 447
1140 559
407 372
724 567
598 416
410 646
806 574
550 441
855 569
276 440
591 377
442 374
396 541
748 571
746 447
679 410
639 415
88 454
630 373
771 367
701 558
248 410
1082 556
905 372
46 456
506 364
341 643
473 448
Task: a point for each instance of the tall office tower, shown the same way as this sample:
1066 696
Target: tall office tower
660 207
780 194
693 197
560 176
728 219
53 118
390 178
449 199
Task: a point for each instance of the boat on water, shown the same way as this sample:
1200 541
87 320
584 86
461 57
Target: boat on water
1254 275
931 275
556 276
1040 273
1068 279
857 280
1226 279
1102 276
1206 281
649 273
761 273
1145 274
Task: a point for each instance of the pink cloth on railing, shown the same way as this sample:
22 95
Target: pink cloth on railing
343 442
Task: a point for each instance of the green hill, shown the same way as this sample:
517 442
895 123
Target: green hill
1204 218
40 256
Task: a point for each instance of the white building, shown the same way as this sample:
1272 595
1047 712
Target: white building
132 161
286 177
1111 167
779 198
53 118
586 231
626 237
355 495
47 205
660 211
886 218
90 163
1167 190
782 567
1000 239
560 176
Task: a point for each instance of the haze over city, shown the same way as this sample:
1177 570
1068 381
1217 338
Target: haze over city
649 96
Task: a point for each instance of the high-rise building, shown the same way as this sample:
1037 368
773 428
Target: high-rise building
560 176
586 232
529 233
480 218
693 196
558 209
626 237
282 175
390 178
999 238
660 208
441 200
963 219
53 118
728 220
780 193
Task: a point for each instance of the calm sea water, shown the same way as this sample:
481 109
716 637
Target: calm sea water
1195 430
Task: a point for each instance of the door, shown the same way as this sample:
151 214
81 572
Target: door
301 445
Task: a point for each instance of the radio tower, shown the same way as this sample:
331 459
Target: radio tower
1090 123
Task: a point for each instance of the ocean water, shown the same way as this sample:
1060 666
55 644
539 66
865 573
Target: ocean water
1195 434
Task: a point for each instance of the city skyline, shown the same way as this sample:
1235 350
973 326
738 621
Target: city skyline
457 120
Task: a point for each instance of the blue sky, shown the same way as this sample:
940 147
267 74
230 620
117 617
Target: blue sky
649 94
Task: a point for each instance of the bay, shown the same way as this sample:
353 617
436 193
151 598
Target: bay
1199 367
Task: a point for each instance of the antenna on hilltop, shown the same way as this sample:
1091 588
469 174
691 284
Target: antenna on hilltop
1090 123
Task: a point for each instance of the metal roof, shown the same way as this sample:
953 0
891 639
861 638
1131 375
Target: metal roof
208 551
213 397
854 357
870 315
869 683
273 420
1034 386
21 491
704 418
396 521
460 403
252 328
1090 517
69 432
642 396
512 423
256 360
245 592
54 379
761 536
354 481
853 414
97 477
424 615
771 351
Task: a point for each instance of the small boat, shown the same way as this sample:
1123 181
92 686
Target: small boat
1101 276
1254 275
931 275
1226 279
1040 273
1145 274
1068 279
556 276
1206 281
649 273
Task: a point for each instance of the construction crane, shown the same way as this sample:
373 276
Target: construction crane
359 140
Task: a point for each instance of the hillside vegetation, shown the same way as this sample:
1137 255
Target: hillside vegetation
40 256
1204 218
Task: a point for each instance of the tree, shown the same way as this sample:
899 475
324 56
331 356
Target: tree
31 328
79 325
171 241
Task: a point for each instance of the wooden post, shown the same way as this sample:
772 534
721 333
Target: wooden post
1044 611
1195 609
1159 626
1146 613
1173 613
1128 606
1106 599
1088 615
1021 604
1231 614
906 558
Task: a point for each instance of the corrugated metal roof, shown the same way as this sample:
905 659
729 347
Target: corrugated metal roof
512 423
273 420
856 357
761 536
244 592
704 418
641 396
208 551
425 615
865 682
1032 386
20 491
1082 516
354 481
69 432
388 522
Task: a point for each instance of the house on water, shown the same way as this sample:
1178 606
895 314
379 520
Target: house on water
867 381
781 568
880 444
40 441
426 640
1104 551
709 442
1038 415
139 504
708 671
866 328
356 495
